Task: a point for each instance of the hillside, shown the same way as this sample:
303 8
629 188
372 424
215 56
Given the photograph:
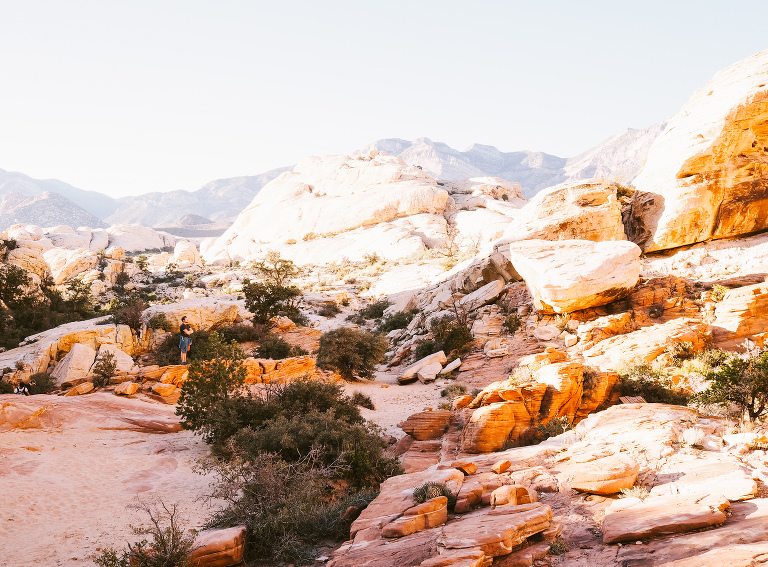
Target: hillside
45 209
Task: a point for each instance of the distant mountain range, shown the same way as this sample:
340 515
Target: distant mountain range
51 202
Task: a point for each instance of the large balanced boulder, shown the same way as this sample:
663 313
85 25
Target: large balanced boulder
75 365
426 425
570 275
705 176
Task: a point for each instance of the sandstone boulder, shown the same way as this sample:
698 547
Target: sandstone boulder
219 548
76 364
630 519
704 176
428 373
409 374
582 210
426 425
80 389
482 295
421 517
203 313
135 238
163 390
123 362
571 275
126 388
185 254
67 264
740 313
607 475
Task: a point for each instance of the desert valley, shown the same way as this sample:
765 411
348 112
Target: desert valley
402 356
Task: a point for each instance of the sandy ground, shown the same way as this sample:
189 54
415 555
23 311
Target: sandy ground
65 487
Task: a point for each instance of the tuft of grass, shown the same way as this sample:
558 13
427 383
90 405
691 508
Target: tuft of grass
718 292
557 547
554 427
692 437
512 323
361 400
635 492
430 490
453 391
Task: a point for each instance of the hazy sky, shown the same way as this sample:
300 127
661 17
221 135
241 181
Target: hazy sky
135 96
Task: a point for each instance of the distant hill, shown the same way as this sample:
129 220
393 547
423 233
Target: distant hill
219 200
621 156
46 209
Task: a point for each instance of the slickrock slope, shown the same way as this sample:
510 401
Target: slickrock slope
69 467
706 175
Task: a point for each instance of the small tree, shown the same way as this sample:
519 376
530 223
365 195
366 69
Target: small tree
120 280
351 352
78 297
104 369
13 281
276 270
268 300
142 262
742 381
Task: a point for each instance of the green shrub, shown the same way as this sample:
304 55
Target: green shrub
104 369
374 310
130 314
454 391
289 508
680 351
242 332
42 383
329 310
160 321
277 348
451 336
397 320
554 427
653 385
430 490
269 300
425 347
512 323
351 352
276 270
5 387
120 280
205 346
741 381
363 401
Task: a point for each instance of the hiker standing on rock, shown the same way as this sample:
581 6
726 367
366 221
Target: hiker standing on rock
186 339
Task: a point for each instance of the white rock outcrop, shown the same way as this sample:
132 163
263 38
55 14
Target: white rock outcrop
135 238
569 275
705 176
76 364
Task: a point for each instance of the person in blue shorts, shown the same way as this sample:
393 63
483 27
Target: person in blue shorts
185 329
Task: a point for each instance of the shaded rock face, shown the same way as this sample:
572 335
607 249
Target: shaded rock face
741 313
706 176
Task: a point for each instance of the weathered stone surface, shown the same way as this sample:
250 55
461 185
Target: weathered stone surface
80 389
135 238
511 494
571 275
647 343
163 389
564 382
430 514
740 313
219 548
126 388
185 254
582 210
76 364
607 475
467 467
604 327
526 556
427 425
421 455
546 333
489 427
409 373
451 366
428 373
705 175
268 371
630 519
203 313
724 476
303 206
482 295
496 531
501 466
457 558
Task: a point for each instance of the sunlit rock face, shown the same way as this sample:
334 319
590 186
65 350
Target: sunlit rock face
706 176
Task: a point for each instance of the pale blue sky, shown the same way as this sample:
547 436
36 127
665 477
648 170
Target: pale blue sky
136 96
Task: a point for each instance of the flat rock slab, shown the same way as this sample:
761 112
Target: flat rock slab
719 476
748 555
426 425
496 531
606 475
631 519
410 373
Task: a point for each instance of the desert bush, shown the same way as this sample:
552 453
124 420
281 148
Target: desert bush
430 490
363 401
289 508
6 387
275 347
104 369
635 492
160 321
561 321
680 351
453 391
130 314
371 258
374 310
692 437
351 352
554 427
425 347
269 300
242 332
41 383
512 323
451 335
741 381
170 545
557 546
120 280
329 310
397 320
718 292
275 270
653 385
206 345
